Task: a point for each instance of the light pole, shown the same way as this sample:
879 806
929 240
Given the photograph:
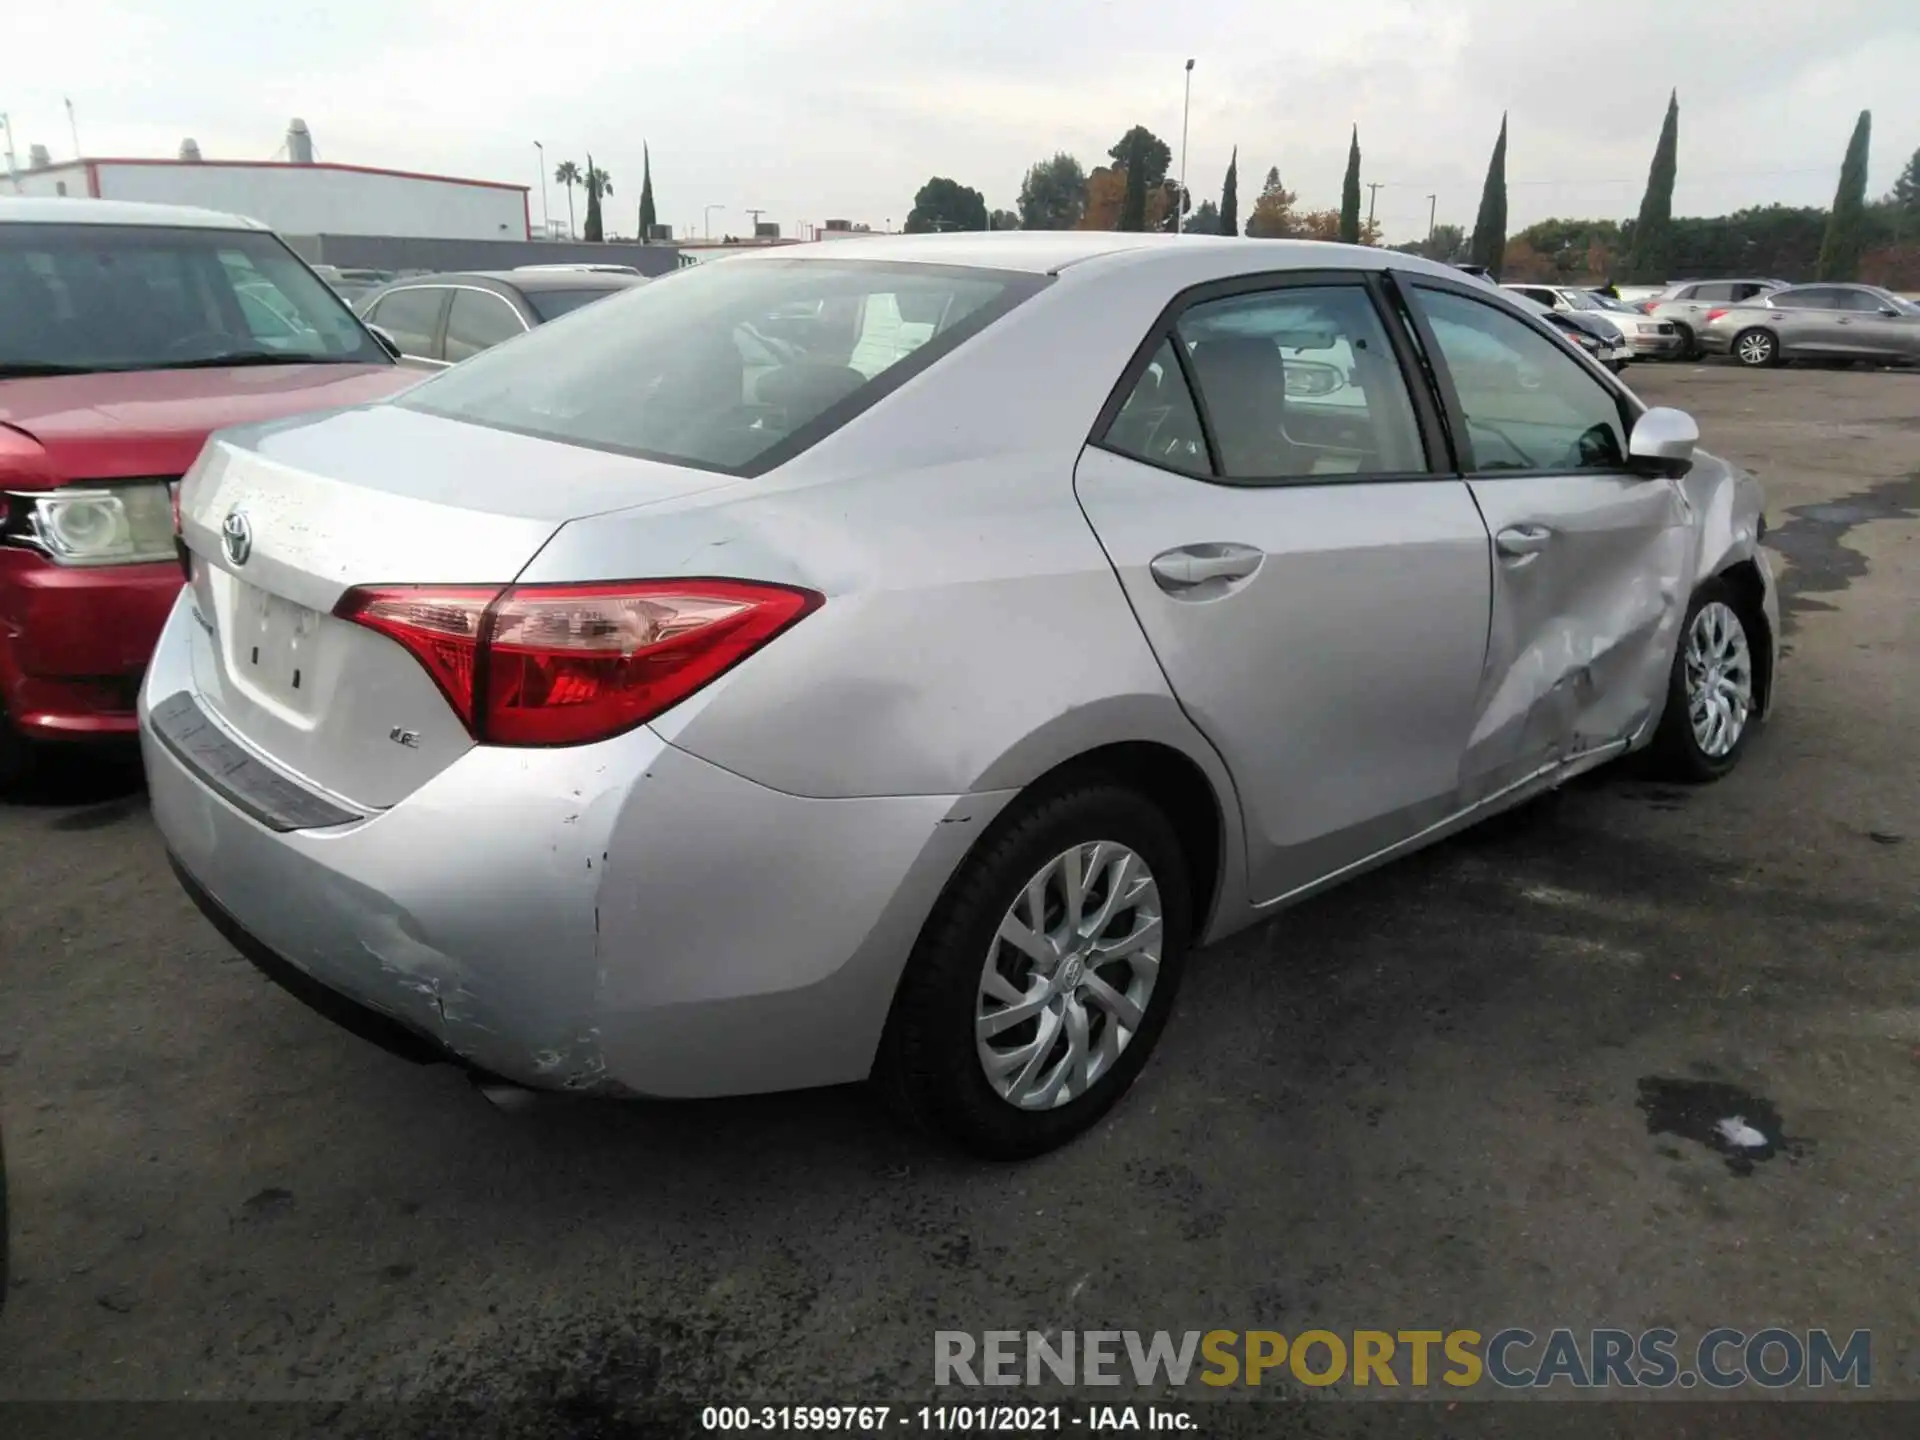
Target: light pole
1186 109
546 219
706 220
1432 201
73 129
1373 191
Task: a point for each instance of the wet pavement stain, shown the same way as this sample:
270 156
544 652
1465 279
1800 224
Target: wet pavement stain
1710 1112
1819 563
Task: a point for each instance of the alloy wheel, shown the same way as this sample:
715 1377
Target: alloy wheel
1756 348
1719 679
1069 975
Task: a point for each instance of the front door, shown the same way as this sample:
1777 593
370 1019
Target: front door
1315 589
1591 562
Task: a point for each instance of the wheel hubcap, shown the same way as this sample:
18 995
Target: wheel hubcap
1719 679
1069 975
1756 349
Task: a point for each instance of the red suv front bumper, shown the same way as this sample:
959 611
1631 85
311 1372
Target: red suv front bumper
74 642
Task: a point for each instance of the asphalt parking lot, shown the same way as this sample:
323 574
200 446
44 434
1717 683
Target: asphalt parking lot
1410 1102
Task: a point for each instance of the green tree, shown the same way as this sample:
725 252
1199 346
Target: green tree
597 185
648 216
1650 261
568 174
1350 194
1229 223
1003 220
1272 215
944 204
1205 220
1904 198
1133 206
1846 227
1489 243
1054 194
1155 155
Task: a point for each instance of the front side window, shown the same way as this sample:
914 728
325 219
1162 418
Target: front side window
479 321
1861 302
731 366
412 317
1528 404
82 298
1300 382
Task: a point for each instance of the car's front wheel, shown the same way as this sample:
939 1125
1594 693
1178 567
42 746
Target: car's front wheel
1713 696
1757 348
1045 974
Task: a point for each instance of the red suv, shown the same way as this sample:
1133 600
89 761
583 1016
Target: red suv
127 333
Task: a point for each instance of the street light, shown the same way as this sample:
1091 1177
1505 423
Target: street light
1186 108
706 220
546 218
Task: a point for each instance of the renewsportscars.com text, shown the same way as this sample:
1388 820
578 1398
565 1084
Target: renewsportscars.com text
1513 1358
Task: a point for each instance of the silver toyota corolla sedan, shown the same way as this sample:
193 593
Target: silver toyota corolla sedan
893 658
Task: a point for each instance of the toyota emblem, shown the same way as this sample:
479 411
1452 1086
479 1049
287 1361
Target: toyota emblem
236 537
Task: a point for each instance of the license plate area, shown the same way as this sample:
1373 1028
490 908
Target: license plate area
271 647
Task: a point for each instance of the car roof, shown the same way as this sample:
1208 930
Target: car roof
523 280
1047 252
76 210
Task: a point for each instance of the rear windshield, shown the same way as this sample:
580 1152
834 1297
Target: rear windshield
129 297
734 365
552 304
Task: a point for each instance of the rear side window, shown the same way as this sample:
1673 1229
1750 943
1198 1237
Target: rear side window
1714 292
552 304
412 317
1300 382
1529 404
479 321
736 365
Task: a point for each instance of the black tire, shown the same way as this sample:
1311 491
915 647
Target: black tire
18 756
1676 753
1756 347
928 1068
1689 346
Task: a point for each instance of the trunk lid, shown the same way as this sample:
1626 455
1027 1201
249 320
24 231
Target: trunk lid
282 520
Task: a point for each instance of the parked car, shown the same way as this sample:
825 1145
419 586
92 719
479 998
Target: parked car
1817 322
649 718
439 320
589 267
1644 336
127 333
1685 303
1589 334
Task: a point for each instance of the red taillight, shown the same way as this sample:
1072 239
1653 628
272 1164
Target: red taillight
1649 306
569 664
1713 315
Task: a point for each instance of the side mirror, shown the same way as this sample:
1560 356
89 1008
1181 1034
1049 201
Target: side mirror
387 342
1890 312
1662 443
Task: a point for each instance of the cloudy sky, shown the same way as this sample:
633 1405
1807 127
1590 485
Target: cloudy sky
810 109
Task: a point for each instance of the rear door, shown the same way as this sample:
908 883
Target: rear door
1273 496
1590 561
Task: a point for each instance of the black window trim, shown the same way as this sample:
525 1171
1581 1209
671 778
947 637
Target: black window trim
1017 287
1406 282
1429 423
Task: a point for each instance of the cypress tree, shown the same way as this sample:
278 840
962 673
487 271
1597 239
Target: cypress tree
1230 197
1846 226
1350 194
1649 260
1133 208
1489 242
592 229
648 216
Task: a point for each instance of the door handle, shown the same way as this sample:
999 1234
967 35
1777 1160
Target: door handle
1517 541
1194 565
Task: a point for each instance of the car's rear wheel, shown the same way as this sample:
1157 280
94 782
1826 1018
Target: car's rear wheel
1713 697
1756 347
1045 974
